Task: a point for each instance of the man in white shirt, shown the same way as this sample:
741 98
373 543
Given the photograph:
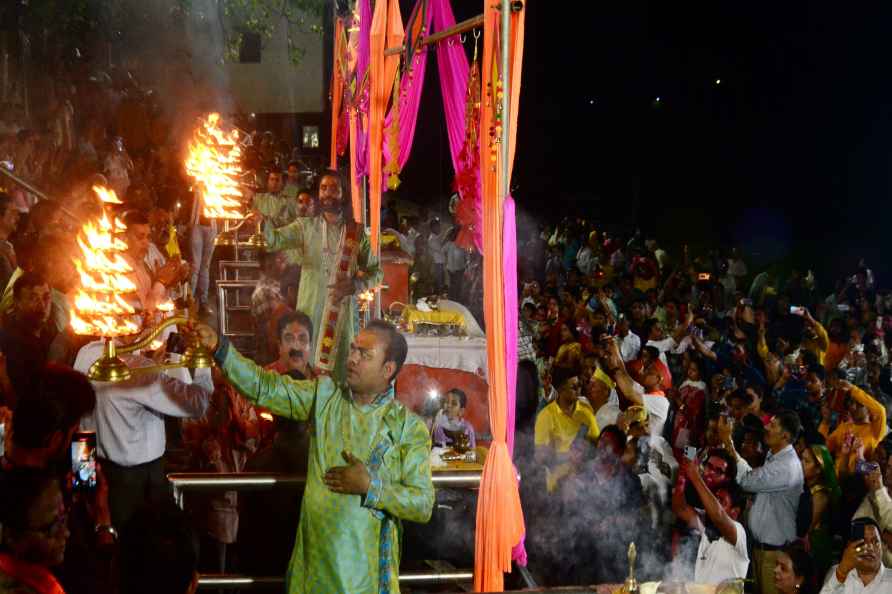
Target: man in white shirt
129 425
629 342
878 505
722 552
436 244
150 283
861 569
658 473
655 337
648 394
456 262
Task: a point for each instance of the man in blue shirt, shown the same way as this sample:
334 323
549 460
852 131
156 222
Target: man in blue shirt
777 486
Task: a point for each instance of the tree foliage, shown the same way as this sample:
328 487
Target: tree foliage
77 22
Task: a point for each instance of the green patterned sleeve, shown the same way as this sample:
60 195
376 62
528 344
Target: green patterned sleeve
284 238
283 396
412 497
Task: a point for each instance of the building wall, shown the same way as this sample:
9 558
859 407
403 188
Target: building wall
275 85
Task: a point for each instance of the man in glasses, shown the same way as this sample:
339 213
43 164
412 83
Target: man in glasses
35 530
722 552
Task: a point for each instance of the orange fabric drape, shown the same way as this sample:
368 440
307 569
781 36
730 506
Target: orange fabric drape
337 91
500 524
355 188
386 31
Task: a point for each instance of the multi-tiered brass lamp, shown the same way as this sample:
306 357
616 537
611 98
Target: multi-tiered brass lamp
100 305
214 162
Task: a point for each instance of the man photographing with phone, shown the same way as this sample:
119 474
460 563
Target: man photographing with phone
861 569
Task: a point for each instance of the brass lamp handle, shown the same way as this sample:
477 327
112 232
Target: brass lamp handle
152 335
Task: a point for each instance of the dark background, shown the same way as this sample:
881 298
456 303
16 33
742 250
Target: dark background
788 157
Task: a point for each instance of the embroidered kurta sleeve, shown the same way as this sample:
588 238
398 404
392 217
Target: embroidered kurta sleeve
408 492
287 237
283 396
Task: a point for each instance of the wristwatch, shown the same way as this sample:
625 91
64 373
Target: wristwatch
100 528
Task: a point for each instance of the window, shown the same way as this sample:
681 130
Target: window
311 137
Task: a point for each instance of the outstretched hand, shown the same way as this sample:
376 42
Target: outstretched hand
352 479
206 335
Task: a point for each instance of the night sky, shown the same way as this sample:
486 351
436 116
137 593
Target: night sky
788 155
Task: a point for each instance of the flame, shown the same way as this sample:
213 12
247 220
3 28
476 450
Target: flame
99 307
106 195
214 161
166 306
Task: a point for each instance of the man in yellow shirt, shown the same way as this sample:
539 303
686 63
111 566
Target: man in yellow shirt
815 337
868 425
558 426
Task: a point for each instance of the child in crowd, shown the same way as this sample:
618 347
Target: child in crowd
450 421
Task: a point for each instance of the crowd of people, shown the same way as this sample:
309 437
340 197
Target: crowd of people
733 425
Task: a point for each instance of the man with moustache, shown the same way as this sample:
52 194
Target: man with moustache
861 570
336 264
294 338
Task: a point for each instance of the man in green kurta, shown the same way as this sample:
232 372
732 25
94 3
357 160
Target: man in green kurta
279 203
279 206
369 462
336 263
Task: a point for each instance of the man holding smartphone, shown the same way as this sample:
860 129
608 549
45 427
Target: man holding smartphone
861 570
777 486
722 551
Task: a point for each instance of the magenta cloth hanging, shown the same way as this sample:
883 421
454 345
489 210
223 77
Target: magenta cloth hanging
411 86
454 71
361 101
453 65
509 257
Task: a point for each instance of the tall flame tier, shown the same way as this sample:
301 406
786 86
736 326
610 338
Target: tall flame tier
214 161
99 305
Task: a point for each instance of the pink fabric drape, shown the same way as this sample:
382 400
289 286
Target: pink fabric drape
454 71
361 98
411 86
337 92
453 66
509 257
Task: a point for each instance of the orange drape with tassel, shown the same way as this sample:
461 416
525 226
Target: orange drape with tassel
386 31
500 523
337 91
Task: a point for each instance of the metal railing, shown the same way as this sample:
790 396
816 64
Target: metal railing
255 481
234 581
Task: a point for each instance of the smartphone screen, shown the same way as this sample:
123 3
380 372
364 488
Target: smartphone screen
83 460
797 310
